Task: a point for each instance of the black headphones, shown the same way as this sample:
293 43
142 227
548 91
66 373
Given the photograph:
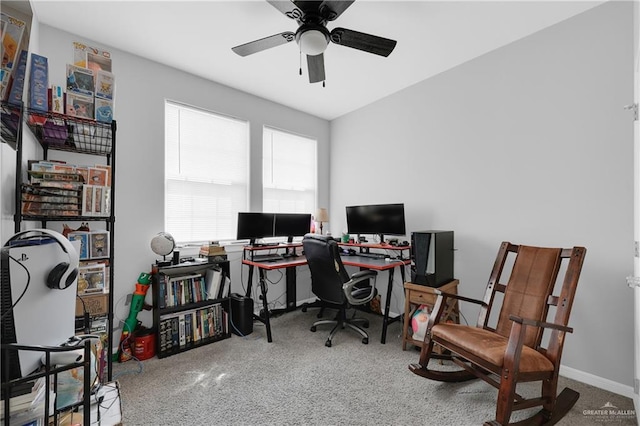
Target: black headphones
64 273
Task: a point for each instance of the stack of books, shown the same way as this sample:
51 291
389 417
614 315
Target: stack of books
213 251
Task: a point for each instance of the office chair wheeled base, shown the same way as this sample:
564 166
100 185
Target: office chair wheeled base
342 323
317 304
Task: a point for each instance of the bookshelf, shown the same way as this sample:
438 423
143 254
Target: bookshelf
39 201
190 305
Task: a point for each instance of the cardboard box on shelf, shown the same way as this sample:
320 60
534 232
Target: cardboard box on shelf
96 304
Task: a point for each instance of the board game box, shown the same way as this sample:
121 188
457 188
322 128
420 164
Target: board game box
39 82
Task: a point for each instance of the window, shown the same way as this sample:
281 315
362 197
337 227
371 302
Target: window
289 172
206 173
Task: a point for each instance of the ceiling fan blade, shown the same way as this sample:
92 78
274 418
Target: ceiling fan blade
264 43
331 9
316 68
366 42
287 7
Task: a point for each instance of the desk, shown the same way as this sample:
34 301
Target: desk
290 263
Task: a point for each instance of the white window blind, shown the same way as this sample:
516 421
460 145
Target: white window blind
289 172
206 173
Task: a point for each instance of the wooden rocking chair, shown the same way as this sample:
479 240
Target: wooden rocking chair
513 351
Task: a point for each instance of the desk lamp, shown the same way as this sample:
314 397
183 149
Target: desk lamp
322 215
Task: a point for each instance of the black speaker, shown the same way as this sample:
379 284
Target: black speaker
432 257
241 314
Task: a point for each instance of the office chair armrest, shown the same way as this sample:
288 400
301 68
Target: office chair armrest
355 279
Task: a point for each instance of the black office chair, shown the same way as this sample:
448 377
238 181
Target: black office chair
331 283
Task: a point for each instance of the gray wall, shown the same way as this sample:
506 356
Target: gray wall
529 144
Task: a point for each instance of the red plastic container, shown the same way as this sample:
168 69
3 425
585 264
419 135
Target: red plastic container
144 345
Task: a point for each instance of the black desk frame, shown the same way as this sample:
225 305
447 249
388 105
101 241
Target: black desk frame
291 263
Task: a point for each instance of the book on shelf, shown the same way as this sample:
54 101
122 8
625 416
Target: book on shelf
213 279
190 327
68 174
182 290
45 191
212 249
31 208
182 330
50 199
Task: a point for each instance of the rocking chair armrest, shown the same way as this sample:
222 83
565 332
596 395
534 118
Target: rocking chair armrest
457 296
540 324
360 276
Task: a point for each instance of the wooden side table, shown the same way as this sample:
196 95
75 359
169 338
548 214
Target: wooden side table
416 295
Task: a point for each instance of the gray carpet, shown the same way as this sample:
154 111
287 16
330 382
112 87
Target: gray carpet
297 380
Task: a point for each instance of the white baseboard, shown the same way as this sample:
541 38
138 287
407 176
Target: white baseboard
599 382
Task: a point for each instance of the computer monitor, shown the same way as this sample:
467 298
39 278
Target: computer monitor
32 312
254 225
376 219
292 225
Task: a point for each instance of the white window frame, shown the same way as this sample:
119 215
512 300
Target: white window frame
290 182
217 180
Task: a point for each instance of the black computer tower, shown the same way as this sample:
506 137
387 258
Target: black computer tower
241 314
432 257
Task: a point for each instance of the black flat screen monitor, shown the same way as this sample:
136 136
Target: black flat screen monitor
252 226
292 225
376 219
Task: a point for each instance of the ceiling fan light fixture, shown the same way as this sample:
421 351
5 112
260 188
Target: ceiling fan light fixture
313 42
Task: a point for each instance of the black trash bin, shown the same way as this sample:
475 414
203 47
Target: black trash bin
241 314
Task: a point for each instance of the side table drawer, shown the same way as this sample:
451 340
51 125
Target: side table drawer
419 298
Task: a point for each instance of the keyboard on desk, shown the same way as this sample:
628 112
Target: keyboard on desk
270 257
372 255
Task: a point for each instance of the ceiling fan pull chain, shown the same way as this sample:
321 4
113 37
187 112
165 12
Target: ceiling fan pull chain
323 83
300 62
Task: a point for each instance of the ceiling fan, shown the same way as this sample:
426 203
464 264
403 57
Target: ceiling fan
313 36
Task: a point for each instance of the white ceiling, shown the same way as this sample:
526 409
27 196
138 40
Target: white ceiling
197 36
